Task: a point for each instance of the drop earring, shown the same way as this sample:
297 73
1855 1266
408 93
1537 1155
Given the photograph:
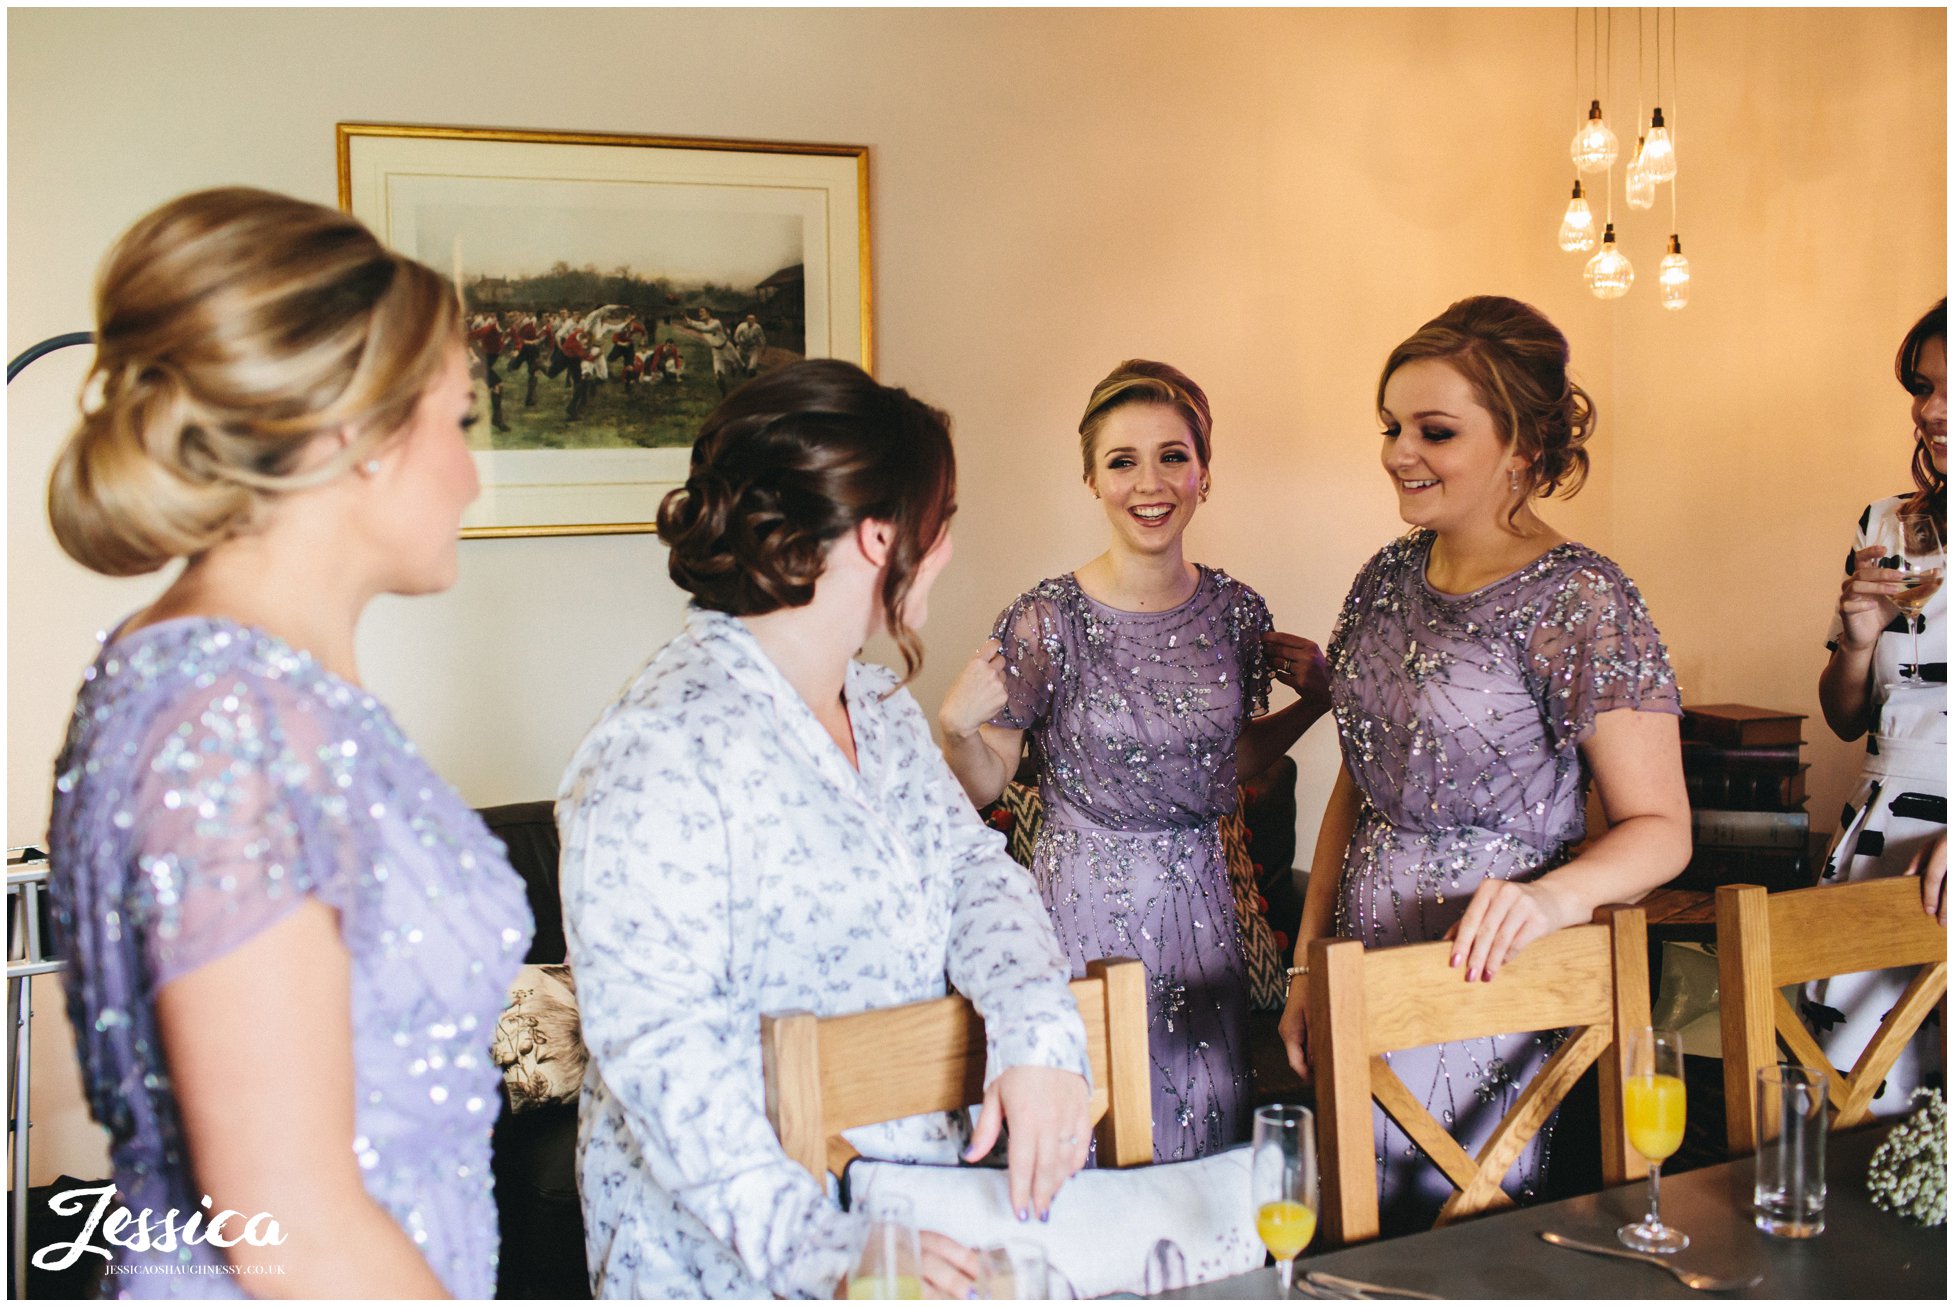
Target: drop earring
1205 487
1513 480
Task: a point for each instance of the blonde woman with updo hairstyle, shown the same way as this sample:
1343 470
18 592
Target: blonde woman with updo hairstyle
761 823
1143 678
288 939
1485 670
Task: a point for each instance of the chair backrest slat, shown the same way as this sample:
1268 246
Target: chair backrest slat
1590 979
1564 979
829 1074
1767 941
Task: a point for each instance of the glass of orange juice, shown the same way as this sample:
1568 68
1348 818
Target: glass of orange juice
1282 1183
1652 1102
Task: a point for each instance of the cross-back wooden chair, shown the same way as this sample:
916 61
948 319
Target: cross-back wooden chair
1767 941
829 1074
1593 979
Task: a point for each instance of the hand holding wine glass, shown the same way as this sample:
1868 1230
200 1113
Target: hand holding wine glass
1916 541
1654 1107
1283 1183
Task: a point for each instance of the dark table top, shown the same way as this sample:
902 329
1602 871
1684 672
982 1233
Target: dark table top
1864 1252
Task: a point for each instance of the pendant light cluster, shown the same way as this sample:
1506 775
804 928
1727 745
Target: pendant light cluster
1596 148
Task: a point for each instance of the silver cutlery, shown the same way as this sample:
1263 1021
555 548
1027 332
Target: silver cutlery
1693 1279
1361 1288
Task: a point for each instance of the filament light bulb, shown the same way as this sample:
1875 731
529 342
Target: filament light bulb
1659 154
1609 272
1577 224
1641 187
1674 276
1595 147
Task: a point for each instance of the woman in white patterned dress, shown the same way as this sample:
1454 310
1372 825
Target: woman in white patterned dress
1896 821
761 824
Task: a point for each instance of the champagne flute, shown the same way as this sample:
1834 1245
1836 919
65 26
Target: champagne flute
1282 1171
1915 540
1653 1103
891 1264
1014 1270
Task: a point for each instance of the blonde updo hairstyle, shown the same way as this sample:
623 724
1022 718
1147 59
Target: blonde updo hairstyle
232 327
1142 381
1516 363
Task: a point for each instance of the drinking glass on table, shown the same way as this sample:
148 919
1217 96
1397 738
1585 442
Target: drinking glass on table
1015 1269
1652 1102
891 1264
1282 1183
1915 541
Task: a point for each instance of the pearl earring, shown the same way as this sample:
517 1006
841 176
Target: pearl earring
371 467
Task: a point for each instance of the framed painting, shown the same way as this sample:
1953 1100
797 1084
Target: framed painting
615 288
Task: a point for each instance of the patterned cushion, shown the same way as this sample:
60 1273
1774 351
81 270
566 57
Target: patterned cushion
1268 983
1104 1222
539 1039
1026 808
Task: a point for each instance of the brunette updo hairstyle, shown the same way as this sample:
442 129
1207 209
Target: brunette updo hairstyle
1142 381
789 463
232 327
1930 483
1516 362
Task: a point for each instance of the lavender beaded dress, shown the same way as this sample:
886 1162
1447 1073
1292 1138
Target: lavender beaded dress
213 779
1460 719
1137 715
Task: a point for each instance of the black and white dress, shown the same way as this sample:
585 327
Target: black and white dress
1900 804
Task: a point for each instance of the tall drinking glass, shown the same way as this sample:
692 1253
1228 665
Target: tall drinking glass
891 1264
1283 1183
1652 1097
1915 541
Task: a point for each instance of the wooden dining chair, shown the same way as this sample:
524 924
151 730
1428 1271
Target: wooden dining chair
1592 979
1767 941
829 1074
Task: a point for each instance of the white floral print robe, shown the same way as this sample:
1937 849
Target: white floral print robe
721 860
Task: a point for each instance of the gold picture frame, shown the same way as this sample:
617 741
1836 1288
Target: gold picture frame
601 272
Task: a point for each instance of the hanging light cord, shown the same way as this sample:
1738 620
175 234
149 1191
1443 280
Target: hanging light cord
1611 92
1675 105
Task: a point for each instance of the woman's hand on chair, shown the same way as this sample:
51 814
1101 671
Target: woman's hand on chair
1930 864
1049 1112
1504 917
1294 1027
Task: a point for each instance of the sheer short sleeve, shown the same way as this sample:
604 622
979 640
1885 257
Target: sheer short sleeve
240 816
1256 622
1031 633
1594 650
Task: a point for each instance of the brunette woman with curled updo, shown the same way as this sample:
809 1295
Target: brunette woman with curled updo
1484 670
761 823
289 940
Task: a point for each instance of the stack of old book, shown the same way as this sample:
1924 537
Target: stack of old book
1746 780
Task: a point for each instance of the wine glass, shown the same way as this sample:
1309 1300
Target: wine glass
1915 541
891 1264
1652 1102
1282 1182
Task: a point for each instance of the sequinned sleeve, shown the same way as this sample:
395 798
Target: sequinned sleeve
1594 650
239 816
1031 632
1836 631
1256 622
649 915
1003 955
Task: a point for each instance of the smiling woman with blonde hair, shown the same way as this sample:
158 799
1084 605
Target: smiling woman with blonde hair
289 940
1141 677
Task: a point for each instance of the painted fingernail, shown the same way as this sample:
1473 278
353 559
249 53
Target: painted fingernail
1046 1216
1024 1214
971 1294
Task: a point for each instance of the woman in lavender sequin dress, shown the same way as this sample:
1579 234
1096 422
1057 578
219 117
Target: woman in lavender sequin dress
1484 669
1140 676
289 940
